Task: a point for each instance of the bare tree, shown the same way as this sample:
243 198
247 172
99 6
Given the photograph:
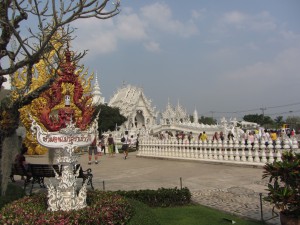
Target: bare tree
27 26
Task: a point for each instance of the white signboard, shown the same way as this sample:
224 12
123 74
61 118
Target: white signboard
66 137
57 140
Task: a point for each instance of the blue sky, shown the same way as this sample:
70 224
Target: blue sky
215 56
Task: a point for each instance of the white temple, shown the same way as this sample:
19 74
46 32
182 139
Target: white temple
142 116
134 105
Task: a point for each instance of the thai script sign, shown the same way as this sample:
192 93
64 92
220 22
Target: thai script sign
56 140
69 136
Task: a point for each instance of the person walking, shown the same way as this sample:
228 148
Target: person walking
125 144
204 137
93 149
110 143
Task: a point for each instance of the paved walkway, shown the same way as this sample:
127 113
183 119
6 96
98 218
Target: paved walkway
231 189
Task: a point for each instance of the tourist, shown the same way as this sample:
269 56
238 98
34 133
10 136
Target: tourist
288 133
230 136
93 148
273 136
20 160
292 133
204 137
266 137
102 140
222 136
110 143
99 148
245 137
126 142
190 137
199 137
215 137
251 139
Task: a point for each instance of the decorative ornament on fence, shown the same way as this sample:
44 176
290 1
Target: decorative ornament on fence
62 127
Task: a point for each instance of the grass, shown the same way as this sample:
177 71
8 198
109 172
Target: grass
184 215
197 215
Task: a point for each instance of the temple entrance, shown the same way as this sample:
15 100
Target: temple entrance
139 119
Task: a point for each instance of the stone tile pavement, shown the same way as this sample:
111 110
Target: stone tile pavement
227 188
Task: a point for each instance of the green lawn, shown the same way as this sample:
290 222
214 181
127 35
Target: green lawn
185 215
197 215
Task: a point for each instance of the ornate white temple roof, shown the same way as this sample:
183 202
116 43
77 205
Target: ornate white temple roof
127 100
180 111
175 114
97 95
169 113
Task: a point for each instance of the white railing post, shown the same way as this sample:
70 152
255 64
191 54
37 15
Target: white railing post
256 147
263 151
286 144
237 152
225 145
220 147
278 149
180 148
205 150
295 143
230 146
200 151
154 146
215 144
209 149
168 147
250 157
270 148
195 147
173 147
243 146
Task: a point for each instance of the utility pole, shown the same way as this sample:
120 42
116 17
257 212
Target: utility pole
263 113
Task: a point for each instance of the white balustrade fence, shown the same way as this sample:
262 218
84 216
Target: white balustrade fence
230 152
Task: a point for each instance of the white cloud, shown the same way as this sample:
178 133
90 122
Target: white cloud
198 14
284 67
131 27
152 46
148 26
258 22
234 17
159 16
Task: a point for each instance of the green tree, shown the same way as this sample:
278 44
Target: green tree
207 120
26 28
259 119
279 121
109 118
293 122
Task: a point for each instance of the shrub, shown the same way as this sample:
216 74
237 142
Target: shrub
103 208
163 197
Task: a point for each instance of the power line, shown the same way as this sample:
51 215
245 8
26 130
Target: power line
255 109
291 111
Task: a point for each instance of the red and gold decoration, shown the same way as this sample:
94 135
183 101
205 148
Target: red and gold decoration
67 99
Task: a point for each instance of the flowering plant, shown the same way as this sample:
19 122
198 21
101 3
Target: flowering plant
103 208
